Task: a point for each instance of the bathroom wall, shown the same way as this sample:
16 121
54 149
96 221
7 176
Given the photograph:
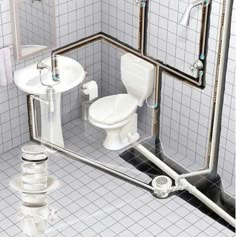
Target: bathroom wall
170 42
75 19
120 19
185 119
186 113
186 110
36 21
90 57
227 153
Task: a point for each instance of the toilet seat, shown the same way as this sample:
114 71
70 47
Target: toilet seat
113 109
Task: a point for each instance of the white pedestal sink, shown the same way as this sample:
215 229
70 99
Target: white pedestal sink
71 74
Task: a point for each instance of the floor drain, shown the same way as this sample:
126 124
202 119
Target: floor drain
162 185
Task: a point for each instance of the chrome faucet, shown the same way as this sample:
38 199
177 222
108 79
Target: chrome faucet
41 66
55 73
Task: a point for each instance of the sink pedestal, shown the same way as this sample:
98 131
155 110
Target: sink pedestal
51 127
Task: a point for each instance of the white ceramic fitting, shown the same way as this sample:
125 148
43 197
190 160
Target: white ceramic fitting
162 185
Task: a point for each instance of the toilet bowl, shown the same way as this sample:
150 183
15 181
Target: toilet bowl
116 114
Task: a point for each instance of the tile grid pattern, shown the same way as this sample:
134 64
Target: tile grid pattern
92 203
184 119
35 20
84 139
170 42
120 19
87 140
77 19
186 111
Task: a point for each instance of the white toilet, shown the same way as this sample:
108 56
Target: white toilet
116 114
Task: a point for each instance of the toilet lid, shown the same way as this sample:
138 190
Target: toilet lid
113 109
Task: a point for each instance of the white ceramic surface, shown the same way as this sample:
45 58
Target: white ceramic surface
71 74
137 76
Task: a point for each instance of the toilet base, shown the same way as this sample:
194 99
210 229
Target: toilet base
118 138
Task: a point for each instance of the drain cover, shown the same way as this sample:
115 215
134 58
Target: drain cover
161 180
161 184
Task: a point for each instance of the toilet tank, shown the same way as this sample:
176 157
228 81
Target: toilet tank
137 76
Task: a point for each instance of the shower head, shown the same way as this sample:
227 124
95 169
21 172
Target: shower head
185 18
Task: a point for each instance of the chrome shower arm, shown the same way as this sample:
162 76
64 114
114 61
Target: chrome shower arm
185 18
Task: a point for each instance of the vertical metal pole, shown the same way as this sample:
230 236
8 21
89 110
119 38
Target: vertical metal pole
220 84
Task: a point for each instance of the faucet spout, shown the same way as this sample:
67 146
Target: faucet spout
53 69
41 66
186 16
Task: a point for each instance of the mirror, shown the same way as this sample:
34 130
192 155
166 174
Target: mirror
34 28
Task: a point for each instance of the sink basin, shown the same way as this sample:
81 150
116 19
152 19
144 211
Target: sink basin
71 75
